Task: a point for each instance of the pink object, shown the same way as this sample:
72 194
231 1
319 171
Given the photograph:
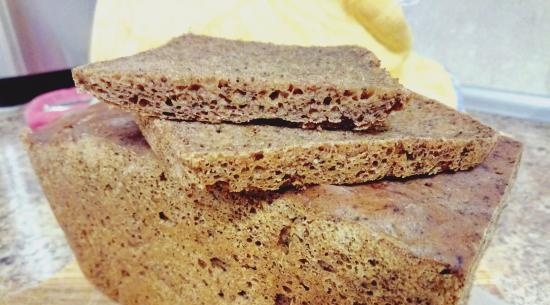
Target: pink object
49 106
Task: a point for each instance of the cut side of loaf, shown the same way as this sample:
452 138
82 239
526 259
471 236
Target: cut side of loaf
200 78
423 138
143 238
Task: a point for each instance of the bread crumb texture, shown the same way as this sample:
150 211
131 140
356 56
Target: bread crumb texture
144 238
424 138
200 78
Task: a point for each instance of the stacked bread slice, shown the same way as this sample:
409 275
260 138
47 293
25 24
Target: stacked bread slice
245 175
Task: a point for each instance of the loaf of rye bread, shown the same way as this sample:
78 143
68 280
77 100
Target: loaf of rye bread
425 137
200 78
143 238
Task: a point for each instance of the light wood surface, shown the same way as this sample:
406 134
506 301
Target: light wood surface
69 287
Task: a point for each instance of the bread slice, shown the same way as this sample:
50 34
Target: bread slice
200 78
143 238
424 138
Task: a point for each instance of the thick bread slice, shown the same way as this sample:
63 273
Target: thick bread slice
424 138
200 78
143 238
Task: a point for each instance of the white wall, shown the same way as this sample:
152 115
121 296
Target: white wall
10 63
502 44
46 35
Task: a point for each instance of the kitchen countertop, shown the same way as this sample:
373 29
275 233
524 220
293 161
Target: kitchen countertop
32 246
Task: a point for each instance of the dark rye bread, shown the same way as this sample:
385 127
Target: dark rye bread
200 78
423 138
143 238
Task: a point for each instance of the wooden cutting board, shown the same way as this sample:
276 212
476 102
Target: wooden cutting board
69 287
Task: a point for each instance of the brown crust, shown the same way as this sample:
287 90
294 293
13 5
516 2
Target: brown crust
423 138
142 237
199 78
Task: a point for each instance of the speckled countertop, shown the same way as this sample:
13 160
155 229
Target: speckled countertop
32 246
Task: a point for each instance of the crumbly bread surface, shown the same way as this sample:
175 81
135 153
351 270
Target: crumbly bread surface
423 138
200 78
143 238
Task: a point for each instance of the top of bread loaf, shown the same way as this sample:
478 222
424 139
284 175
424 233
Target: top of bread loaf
111 125
443 218
219 80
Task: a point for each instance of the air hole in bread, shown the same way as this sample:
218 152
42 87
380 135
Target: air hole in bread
163 216
195 87
201 263
258 155
218 263
366 94
144 102
275 94
297 91
281 299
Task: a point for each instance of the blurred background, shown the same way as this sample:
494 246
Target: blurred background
492 44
